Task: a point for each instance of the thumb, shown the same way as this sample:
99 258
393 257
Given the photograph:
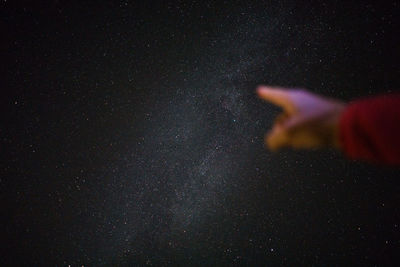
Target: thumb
281 134
277 138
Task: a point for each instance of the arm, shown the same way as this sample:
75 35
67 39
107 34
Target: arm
367 129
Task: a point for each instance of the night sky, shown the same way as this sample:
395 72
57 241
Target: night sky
131 134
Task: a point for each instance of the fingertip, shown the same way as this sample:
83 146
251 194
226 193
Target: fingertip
258 89
262 88
264 92
267 146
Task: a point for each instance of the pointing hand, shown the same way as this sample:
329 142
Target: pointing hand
308 120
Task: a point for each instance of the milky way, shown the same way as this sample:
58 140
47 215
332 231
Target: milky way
133 135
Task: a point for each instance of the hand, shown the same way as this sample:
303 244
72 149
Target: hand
308 120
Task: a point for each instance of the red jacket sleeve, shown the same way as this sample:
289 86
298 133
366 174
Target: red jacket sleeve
369 129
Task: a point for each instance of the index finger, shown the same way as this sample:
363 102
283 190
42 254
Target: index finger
276 95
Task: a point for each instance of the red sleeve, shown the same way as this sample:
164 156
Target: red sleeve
369 129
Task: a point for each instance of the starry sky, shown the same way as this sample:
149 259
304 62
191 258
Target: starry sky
131 134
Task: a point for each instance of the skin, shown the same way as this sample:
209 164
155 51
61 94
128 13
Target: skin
308 121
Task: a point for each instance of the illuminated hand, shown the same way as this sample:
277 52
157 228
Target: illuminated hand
308 120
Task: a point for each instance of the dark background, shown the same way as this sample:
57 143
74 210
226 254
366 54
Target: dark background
131 134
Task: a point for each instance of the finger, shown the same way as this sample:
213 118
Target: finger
302 133
277 138
276 95
304 140
284 132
